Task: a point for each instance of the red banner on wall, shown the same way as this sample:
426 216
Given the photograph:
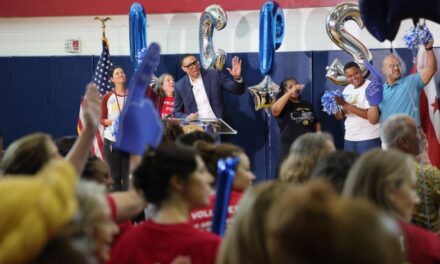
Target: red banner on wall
29 8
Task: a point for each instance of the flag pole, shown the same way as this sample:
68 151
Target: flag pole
103 20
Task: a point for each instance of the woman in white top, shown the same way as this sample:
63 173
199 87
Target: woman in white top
112 104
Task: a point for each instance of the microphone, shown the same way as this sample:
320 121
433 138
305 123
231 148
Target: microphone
180 105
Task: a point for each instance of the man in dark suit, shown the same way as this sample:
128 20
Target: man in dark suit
199 93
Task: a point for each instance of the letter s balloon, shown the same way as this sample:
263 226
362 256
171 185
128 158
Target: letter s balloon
347 42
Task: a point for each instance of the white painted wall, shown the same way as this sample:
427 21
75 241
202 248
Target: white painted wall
176 33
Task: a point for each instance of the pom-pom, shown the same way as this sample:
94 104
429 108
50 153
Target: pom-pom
114 128
425 36
328 102
416 36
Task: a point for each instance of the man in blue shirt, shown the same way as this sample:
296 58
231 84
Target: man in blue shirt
401 95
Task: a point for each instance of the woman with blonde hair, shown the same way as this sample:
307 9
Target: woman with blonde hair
245 241
304 153
388 180
28 154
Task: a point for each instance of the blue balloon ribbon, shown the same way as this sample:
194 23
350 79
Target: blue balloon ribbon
271 34
225 178
138 32
376 74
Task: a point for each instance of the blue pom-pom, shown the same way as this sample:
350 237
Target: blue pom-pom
328 102
410 38
416 36
114 128
424 35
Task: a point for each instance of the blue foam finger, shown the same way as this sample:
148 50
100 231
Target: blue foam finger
225 178
140 124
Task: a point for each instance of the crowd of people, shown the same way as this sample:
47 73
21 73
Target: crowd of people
362 204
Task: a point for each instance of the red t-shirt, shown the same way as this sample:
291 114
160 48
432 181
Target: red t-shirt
201 218
421 245
150 242
167 107
124 226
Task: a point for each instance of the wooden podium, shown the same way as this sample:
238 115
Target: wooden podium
213 126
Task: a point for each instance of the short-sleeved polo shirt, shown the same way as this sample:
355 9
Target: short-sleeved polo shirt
403 97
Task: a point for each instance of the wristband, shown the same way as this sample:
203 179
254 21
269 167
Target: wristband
239 80
429 48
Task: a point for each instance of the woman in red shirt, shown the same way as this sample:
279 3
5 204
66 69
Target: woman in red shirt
201 218
174 179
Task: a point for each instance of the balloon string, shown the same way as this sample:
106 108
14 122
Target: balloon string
269 143
425 197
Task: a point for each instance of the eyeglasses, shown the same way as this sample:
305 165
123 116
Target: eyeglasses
392 66
192 64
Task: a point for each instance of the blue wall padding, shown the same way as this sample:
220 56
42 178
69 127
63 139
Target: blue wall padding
69 86
33 95
7 108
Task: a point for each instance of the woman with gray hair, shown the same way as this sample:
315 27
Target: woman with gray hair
162 95
95 223
303 155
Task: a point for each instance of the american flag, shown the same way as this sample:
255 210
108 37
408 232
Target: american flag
430 113
103 84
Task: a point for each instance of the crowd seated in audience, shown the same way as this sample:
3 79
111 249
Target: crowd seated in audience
60 210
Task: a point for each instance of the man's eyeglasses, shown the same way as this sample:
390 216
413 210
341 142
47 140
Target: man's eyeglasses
392 66
192 64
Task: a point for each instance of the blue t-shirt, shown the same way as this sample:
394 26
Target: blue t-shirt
402 98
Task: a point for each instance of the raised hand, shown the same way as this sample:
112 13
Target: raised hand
236 68
92 115
92 109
